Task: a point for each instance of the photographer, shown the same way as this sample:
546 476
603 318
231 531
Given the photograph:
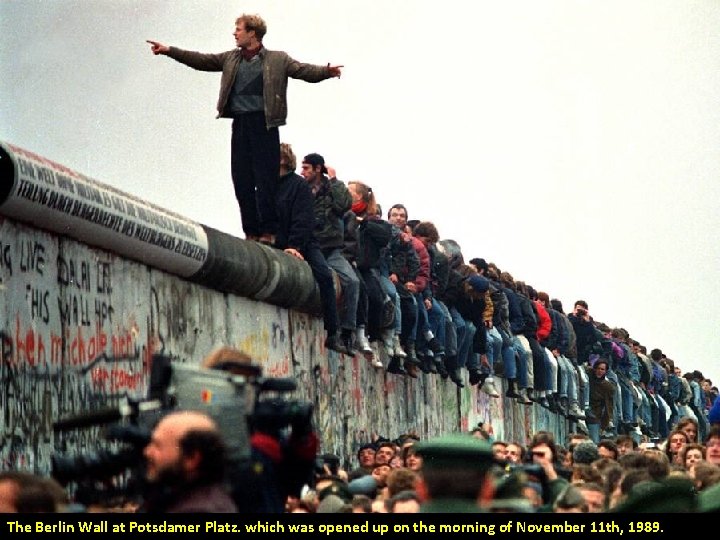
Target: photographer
185 466
282 459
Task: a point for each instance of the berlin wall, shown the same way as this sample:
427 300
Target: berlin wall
93 282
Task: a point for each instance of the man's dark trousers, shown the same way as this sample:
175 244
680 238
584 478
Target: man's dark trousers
255 164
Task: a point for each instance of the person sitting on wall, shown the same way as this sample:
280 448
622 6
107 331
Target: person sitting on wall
296 236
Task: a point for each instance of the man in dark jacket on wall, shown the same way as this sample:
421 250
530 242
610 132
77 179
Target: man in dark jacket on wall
586 334
331 202
296 237
253 92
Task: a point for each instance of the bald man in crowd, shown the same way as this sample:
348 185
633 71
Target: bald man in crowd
185 466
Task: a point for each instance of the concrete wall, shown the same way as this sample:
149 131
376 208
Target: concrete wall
78 326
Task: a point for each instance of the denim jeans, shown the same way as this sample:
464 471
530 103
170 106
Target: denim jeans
326 285
451 340
473 359
350 288
583 377
626 396
529 361
494 348
551 370
521 355
464 337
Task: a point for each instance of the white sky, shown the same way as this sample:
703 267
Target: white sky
573 143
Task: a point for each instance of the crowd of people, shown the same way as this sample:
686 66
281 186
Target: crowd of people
186 470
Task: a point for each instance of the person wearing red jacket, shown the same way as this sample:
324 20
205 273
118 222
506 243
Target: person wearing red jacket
550 362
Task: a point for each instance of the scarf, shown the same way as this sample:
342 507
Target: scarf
249 54
359 207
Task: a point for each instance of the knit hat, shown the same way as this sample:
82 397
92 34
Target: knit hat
478 283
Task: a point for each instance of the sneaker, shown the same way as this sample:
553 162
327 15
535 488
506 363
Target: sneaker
582 427
489 388
397 348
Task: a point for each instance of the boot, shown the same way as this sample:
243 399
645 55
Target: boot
395 368
439 362
476 377
333 343
374 359
453 371
362 343
523 399
427 365
397 348
562 405
436 347
576 412
411 369
346 338
387 341
411 356
489 388
552 403
511 392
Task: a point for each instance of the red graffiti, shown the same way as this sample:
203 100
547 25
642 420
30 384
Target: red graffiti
78 348
280 370
29 346
115 379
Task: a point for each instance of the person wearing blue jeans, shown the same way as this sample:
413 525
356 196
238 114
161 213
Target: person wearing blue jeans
296 237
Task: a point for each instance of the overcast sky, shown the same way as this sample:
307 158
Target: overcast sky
573 143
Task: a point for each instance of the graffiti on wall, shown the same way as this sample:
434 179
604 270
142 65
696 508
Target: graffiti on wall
66 345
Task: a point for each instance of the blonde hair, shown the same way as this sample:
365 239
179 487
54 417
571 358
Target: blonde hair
253 23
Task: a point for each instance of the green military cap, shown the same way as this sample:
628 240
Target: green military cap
710 499
457 450
668 495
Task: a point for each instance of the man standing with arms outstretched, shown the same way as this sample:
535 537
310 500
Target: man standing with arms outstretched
253 92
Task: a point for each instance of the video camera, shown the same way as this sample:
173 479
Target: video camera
239 405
